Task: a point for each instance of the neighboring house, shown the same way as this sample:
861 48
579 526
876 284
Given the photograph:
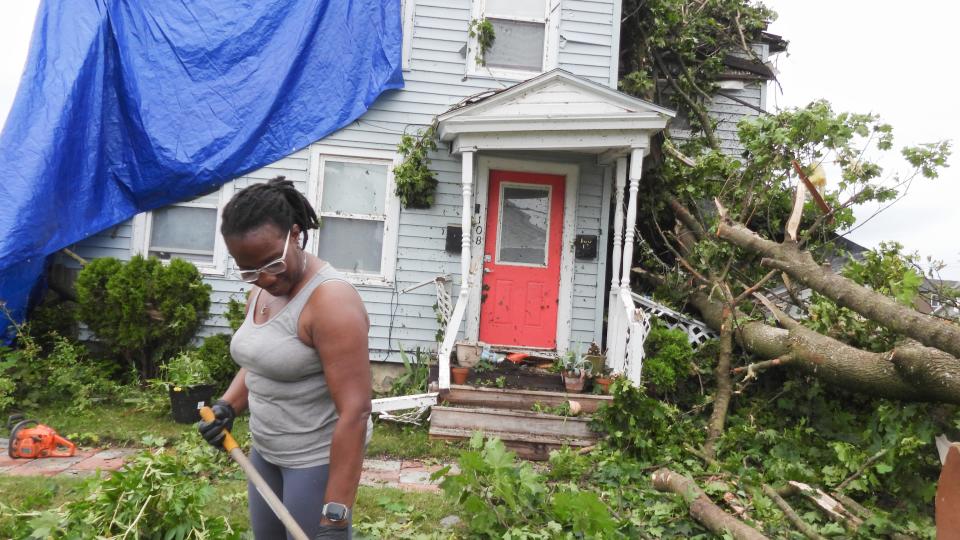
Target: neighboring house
540 163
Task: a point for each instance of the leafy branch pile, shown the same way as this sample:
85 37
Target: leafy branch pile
872 451
160 495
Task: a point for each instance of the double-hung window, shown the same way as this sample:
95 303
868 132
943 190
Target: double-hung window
524 32
187 230
358 213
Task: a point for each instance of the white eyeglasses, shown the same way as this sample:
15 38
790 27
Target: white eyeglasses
276 267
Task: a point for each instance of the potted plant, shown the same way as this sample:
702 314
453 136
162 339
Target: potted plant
596 358
190 385
459 374
603 380
574 368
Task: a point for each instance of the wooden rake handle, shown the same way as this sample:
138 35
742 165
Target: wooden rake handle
232 448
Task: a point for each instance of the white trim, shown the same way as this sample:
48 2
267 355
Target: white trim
142 225
319 153
551 33
615 45
399 403
408 14
571 172
546 247
576 122
602 92
584 142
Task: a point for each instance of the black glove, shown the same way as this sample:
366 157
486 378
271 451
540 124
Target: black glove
331 532
213 431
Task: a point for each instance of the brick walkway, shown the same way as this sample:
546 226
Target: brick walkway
408 475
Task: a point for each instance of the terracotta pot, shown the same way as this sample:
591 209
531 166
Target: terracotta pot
604 384
574 383
459 374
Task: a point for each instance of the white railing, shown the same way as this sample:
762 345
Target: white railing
628 331
698 332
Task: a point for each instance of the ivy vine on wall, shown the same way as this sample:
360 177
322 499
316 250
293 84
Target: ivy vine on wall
482 29
415 182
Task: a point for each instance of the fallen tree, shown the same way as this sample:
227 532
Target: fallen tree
800 265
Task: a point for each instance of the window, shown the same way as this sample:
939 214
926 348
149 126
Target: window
358 213
187 230
523 43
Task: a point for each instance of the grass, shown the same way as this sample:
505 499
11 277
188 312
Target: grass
126 425
116 424
392 441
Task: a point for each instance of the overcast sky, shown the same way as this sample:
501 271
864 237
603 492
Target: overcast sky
894 59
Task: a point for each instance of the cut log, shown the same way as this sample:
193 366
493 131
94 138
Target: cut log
702 508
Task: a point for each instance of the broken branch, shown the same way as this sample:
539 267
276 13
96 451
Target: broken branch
791 514
702 508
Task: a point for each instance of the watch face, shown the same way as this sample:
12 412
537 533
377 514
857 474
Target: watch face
335 511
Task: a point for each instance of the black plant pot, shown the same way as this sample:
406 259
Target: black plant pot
187 400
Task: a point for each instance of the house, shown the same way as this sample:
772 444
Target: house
539 169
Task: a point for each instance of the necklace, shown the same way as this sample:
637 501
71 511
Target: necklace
303 267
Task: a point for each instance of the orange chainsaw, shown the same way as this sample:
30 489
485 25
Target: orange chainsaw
38 441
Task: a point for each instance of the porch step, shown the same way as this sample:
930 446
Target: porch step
520 400
532 435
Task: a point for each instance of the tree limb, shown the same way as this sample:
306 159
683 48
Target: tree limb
909 372
702 508
799 265
792 515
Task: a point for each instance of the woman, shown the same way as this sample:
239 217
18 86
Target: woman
304 366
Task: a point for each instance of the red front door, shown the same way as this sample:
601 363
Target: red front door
521 269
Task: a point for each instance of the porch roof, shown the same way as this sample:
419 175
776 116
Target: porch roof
553 111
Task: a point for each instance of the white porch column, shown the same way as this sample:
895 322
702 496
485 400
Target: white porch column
636 169
453 325
467 180
613 310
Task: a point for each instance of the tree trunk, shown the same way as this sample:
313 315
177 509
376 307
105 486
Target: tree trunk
799 265
702 508
910 372
724 391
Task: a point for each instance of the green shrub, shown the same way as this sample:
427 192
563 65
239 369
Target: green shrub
502 498
641 425
668 355
214 353
186 369
236 313
29 378
416 373
142 310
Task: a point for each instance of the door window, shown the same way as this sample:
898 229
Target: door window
524 224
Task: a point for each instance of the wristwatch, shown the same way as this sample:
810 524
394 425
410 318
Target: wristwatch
335 512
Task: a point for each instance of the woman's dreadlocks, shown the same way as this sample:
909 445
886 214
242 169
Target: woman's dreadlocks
277 202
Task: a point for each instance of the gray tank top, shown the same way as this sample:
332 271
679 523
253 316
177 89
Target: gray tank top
292 415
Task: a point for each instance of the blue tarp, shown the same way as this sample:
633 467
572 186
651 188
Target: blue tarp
127 105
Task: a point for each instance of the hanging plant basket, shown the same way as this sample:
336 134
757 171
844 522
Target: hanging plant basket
416 184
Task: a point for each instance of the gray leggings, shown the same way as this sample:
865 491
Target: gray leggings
301 491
